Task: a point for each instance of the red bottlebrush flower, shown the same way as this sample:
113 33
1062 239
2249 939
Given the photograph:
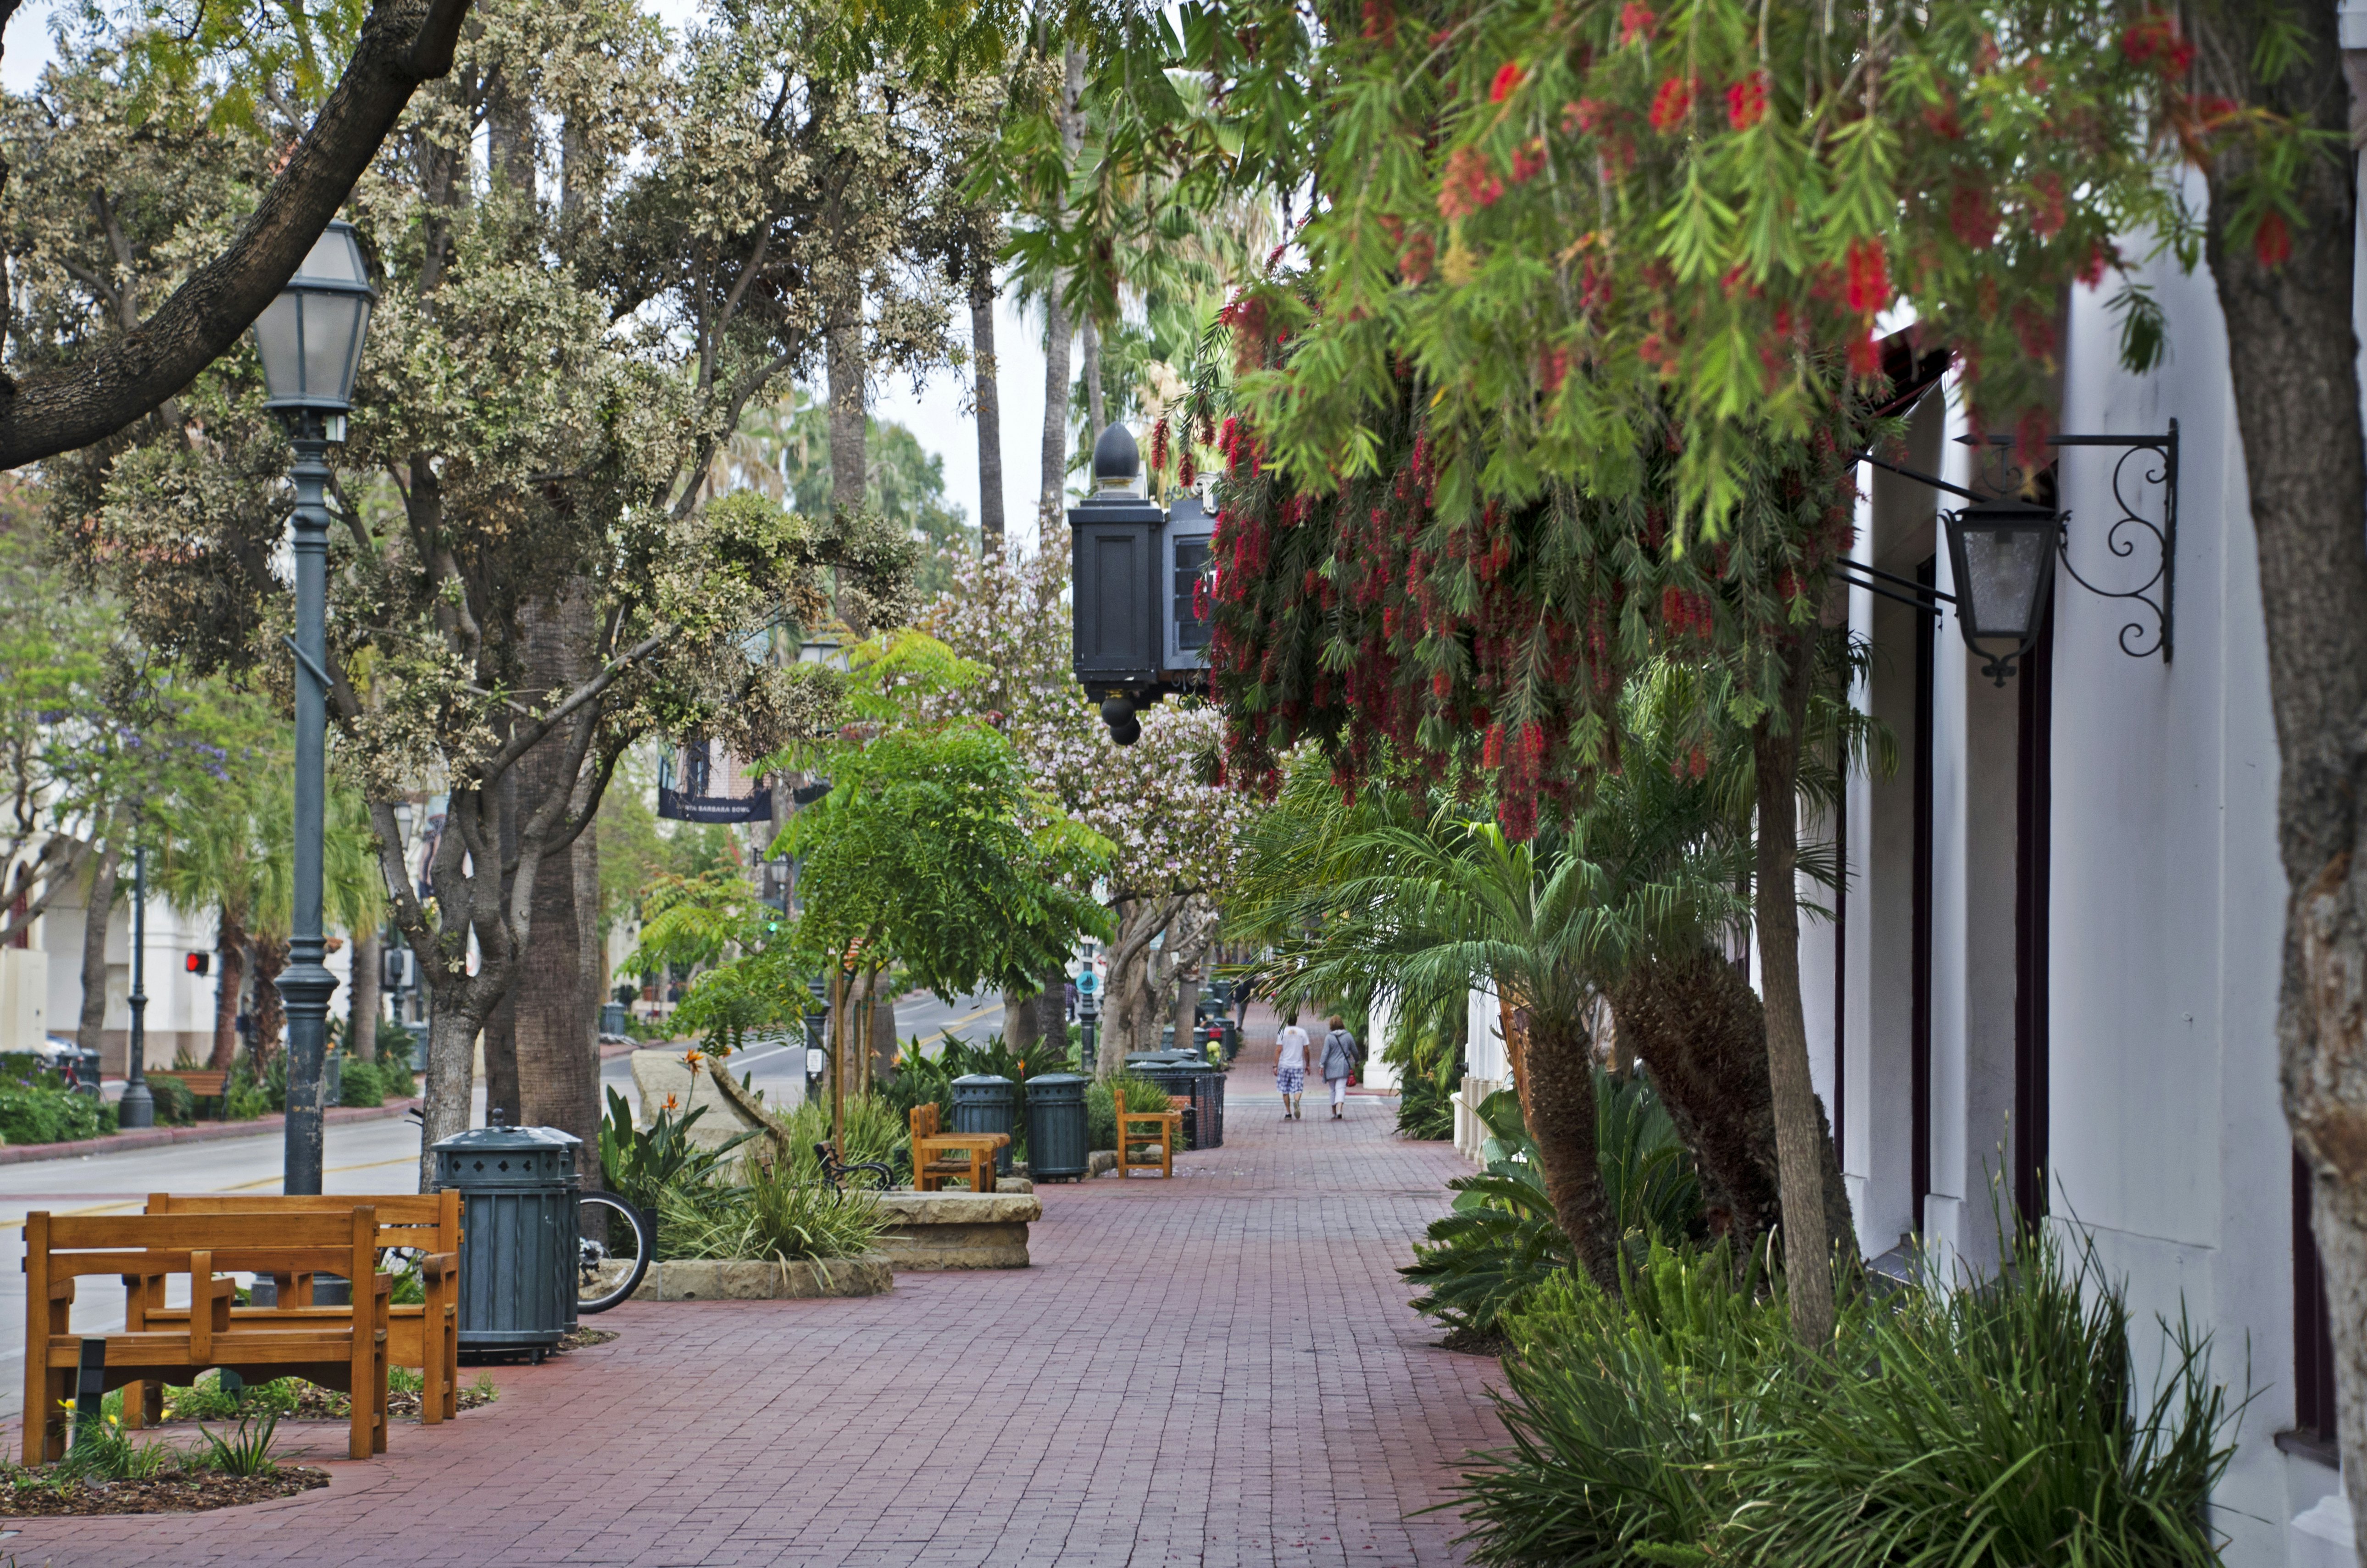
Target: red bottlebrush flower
2099 256
1969 216
1508 78
1158 447
1186 474
1225 440
1552 368
1533 744
2272 241
1675 613
1442 685
1584 116
1865 357
1942 119
1389 620
2154 41
1869 276
1380 22
1469 184
1652 351
1672 104
1414 261
1698 763
2046 215
2030 433
2036 331
1787 584
1635 21
1528 159
1746 101
1517 814
1309 586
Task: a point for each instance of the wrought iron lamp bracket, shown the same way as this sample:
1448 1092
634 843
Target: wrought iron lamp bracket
2157 593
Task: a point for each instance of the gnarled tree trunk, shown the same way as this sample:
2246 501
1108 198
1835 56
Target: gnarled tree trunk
1555 1075
92 1023
1702 1033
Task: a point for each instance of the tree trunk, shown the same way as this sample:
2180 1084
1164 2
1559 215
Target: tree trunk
229 952
449 1089
1130 1006
1057 330
554 1011
1051 1008
1556 1088
1702 1033
1023 1022
266 1017
1096 407
987 401
1802 1140
848 461
361 1016
93 1020
2292 359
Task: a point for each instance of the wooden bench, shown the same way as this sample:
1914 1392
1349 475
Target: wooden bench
937 1155
347 1352
423 1334
1166 1125
203 1084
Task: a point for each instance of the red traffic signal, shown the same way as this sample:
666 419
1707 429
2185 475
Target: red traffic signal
197 963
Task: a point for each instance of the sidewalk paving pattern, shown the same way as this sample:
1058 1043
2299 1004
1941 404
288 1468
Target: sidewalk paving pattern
1218 1370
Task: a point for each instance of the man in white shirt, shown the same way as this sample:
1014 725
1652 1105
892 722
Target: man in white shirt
1290 1066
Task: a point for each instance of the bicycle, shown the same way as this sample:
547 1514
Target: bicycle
615 1244
834 1171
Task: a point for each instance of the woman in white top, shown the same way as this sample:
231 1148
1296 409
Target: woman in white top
1290 1066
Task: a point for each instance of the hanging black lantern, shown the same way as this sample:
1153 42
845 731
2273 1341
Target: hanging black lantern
2002 556
1116 563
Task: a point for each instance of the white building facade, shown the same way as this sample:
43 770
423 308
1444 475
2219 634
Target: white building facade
2052 979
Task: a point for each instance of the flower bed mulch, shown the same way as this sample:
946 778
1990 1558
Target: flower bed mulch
194 1491
584 1339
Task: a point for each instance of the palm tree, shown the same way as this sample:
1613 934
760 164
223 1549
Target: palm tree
227 845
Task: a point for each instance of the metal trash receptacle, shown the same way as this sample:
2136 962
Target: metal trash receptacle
1057 1140
1176 1077
1208 1103
519 1249
983 1103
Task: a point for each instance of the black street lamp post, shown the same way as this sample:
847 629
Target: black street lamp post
309 340
138 1107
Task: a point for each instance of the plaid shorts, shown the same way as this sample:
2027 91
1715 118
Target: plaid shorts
1290 1080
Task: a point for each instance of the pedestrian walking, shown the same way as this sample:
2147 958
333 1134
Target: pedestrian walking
1340 1058
1290 1066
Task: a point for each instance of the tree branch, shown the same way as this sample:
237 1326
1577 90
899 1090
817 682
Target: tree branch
404 43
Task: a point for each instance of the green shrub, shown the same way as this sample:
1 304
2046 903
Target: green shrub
1503 1240
1101 1108
398 1044
102 1451
51 1116
1425 1109
243 1099
1987 1427
360 1085
774 1216
176 1107
248 1450
22 1069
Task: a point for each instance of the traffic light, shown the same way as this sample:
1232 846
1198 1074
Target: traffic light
197 963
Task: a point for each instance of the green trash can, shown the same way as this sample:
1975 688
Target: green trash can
1176 1077
983 1103
520 1250
1057 1141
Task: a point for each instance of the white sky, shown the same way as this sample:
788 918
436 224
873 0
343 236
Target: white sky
933 412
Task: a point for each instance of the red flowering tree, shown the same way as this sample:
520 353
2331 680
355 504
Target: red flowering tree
1586 340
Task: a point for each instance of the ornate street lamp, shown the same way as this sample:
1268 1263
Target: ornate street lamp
138 1107
1141 624
2002 556
309 340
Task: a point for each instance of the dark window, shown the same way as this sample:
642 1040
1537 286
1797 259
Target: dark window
2313 1335
2034 765
1918 1038
1191 562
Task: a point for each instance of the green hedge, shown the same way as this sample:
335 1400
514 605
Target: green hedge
51 1116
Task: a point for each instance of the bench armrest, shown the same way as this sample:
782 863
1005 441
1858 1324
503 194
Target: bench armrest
438 1265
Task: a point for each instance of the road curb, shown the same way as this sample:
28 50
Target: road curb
161 1137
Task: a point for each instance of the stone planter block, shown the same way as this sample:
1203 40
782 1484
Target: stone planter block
748 1279
931 1230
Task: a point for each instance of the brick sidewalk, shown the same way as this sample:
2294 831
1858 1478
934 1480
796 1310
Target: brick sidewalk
1215 1371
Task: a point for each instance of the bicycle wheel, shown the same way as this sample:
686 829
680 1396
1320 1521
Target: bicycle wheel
614 1243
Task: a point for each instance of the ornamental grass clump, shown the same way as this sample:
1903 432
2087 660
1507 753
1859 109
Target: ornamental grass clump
1994 1426
772 1216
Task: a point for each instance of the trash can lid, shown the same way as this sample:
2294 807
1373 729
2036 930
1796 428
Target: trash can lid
502 1137
1055 1078
976 1078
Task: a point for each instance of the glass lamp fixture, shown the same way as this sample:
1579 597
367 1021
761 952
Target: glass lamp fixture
2002 555
310 338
